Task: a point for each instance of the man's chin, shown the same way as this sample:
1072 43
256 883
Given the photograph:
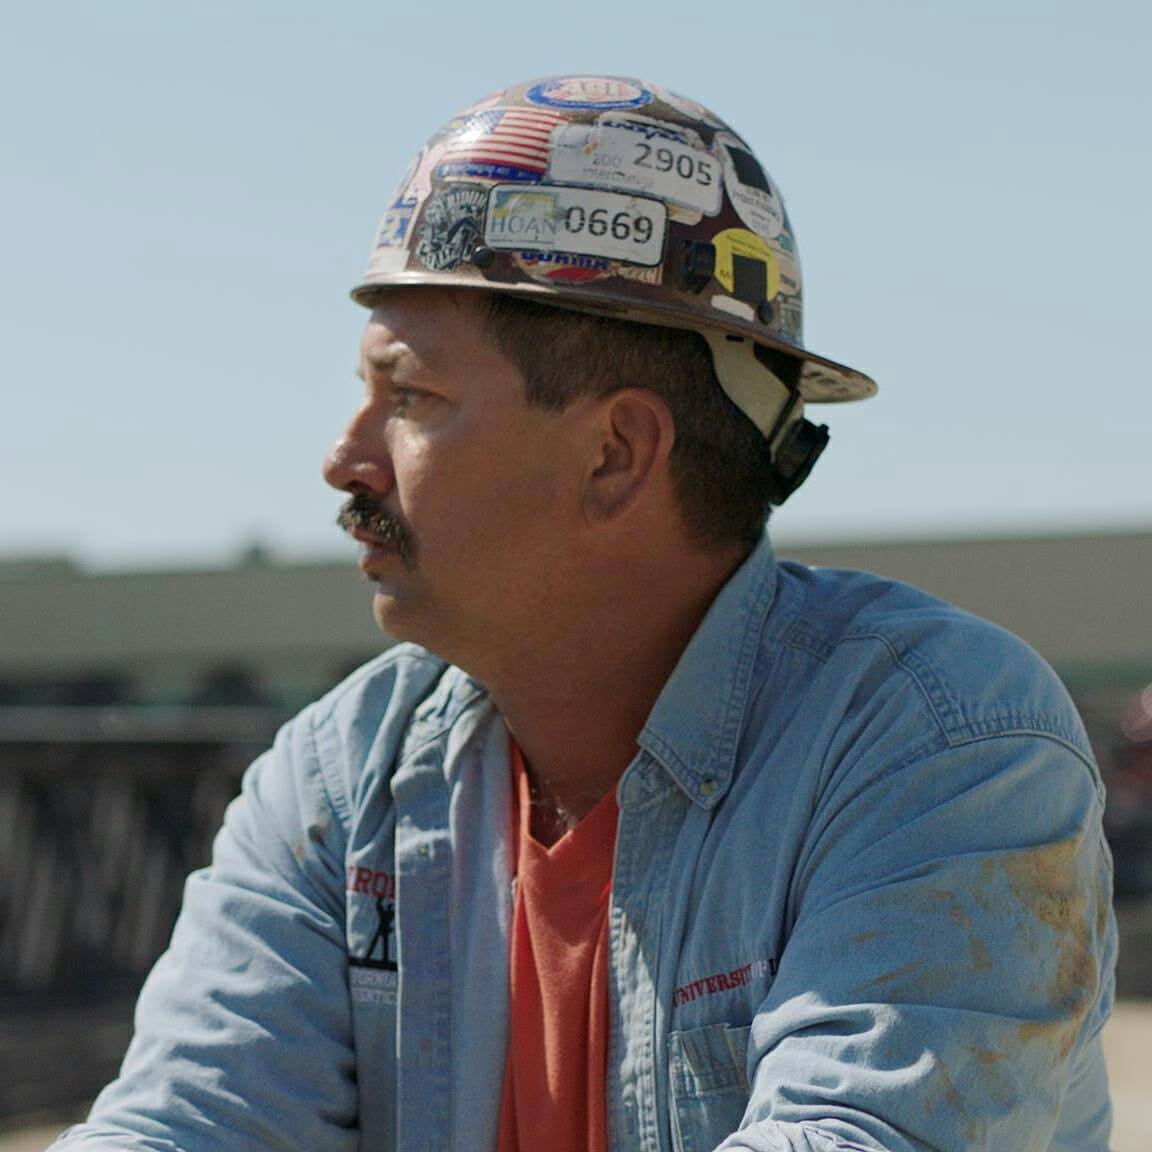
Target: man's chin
388 610
397 615
405 618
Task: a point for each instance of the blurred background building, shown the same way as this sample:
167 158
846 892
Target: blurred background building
131 702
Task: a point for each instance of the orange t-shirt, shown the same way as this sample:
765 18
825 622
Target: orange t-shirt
554 1082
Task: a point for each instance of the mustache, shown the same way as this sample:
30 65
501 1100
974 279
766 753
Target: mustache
364 513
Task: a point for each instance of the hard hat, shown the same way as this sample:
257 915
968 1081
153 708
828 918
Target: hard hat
616 196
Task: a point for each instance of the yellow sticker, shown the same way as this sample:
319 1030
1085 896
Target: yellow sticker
746 266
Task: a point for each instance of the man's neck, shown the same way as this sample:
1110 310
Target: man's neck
575 700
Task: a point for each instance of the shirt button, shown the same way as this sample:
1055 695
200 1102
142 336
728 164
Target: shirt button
708 786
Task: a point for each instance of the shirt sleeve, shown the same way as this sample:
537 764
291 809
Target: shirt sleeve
243 1030
947 968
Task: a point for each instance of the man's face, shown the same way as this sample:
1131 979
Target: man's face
466 501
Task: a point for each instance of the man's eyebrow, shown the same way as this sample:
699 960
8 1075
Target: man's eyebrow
384 359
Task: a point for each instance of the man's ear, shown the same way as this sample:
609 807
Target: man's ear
635 433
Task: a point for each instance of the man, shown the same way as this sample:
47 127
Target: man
646 842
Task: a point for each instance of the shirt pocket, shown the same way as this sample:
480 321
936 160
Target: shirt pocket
709 1082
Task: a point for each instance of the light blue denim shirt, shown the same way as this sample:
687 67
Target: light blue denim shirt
861 900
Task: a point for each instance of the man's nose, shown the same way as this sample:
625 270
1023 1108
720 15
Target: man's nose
359 461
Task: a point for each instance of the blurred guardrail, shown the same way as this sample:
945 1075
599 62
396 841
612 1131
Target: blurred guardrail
103 812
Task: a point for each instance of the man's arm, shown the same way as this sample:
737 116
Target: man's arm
948 962
243 1030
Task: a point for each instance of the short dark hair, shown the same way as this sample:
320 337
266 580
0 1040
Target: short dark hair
720 464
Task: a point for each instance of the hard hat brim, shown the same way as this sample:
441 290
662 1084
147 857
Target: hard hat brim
822 381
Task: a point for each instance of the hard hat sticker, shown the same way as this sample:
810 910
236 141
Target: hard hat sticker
452 222
687 107
603 193
387 261
501 144
788 318
574 268
632 157
394 227
589 92
417 184
558 218
734 307
746 266
563 267
393 230
752 193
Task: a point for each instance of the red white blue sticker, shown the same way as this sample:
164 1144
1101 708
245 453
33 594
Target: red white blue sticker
574 268
393 230
394 227
637 156
600 92
563 267
500 144
550 217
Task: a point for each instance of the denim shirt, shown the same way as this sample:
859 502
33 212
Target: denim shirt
861 900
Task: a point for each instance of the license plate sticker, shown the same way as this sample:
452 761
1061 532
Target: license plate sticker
627 159
556 218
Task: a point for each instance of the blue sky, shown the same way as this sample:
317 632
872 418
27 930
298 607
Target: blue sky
191 189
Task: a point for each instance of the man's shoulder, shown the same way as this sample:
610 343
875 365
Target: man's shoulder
404 685
365 721
401 674
972 677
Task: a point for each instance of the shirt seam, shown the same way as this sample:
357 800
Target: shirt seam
311 751
957 730
335 795
320 720
447 723
396 655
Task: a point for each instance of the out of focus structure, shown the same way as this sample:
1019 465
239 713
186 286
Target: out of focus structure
130 704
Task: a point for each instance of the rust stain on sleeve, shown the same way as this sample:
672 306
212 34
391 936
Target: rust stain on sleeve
1061 1034
885 978
943 1095
981 957
1044 880
956 912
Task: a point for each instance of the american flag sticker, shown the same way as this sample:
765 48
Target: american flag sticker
504 144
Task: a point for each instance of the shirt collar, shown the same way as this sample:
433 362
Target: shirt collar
694 728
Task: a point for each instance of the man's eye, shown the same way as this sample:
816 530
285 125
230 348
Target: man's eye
403 398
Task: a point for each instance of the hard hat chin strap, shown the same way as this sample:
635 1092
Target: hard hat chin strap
743 369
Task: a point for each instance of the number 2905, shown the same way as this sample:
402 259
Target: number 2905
685 165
